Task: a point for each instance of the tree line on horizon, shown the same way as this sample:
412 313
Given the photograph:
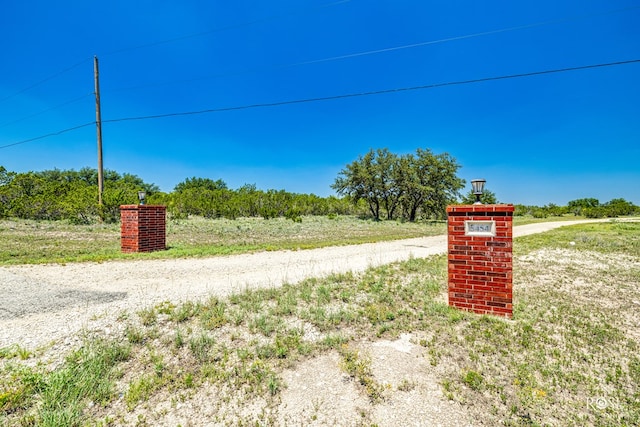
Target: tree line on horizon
378 185
73 195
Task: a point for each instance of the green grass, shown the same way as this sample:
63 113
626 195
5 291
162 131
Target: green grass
358 366
609 237
34 242
37 242
570 356
528 219
59 398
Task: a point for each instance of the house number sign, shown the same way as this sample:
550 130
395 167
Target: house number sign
480 228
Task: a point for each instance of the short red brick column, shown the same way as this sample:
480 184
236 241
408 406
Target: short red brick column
143 228
480 258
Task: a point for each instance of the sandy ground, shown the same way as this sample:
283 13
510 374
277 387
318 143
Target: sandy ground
48 305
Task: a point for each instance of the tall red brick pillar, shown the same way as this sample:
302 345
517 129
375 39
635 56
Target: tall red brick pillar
480 240
143 228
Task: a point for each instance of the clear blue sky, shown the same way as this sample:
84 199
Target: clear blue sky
539 139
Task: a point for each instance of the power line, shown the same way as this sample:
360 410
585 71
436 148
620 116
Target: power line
46 110
377 51
333 58
335 97
463 37
313 61
184 37
227 28
48 135
376 92
44 80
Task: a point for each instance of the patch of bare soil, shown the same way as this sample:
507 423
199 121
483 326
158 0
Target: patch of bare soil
583 275
318 392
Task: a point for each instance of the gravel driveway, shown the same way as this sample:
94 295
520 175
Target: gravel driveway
40 304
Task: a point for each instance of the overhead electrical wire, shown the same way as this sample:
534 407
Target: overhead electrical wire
60 132
184 37
227 28
375 92
64 104
329 59
45 80
335 97
188 36
463 37
371 52
313 61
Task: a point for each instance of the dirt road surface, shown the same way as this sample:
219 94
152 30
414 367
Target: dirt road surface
44 303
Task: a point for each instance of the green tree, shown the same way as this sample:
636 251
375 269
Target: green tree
619 207
79 202
577 206
422 183
23 196
5 176
274 203
115 194
247 201
488 197
137 182
200 183
5 179
522 210
362 180
429 183
66 194
555 210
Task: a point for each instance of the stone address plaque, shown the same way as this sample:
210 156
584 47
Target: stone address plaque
480 228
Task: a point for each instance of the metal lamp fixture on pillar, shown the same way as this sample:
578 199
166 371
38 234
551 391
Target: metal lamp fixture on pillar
141 196
478 189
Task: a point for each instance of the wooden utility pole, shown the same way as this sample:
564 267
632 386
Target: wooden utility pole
96 75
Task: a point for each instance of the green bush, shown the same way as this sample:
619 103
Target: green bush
539 213
68 195
73 196
595 212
